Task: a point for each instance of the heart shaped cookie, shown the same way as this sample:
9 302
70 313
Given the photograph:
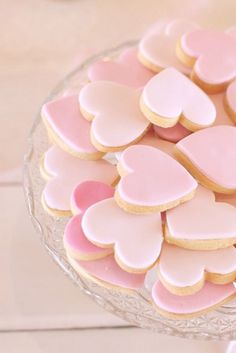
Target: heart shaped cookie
116 118
210 156
201 223
170 97
212 55
68 128
136 239
151 181
208 298
126 70
157 47
184 272
64 172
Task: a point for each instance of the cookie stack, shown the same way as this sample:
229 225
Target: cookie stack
166 113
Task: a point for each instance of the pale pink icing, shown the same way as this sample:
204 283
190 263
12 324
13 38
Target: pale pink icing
222 117
64 117
170 94
136 239
215 52
173 134
209 296
213 153
231 96
107 270
154 178
118 120
126 70
181 267
202 218
158 45
67 172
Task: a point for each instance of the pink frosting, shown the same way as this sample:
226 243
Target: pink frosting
126 70
213 152
231 96
170 94
154 178
173 134
210 295
202 218
107 270
181 267
118 120
136 239
67 172
64 117
215 54
158 45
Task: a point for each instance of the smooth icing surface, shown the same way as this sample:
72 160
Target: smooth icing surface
202 218
126 70
209 296
213 152
171 94
117 119
172 134
136 239
181 267
107 270
154 178
67 172
215 54
231 96
64 118
158 45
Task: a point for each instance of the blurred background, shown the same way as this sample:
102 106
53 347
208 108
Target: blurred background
41 40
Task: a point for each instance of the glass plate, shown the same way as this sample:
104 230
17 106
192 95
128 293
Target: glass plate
135 307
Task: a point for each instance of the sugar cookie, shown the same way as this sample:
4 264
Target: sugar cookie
64 172
68 128
151 181
210 157
126 70
116 118
201 223
170 97
136 239
230 101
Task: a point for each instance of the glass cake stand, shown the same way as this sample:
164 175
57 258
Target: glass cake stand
134 307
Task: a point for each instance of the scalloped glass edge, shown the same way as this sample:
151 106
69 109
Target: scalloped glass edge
134 307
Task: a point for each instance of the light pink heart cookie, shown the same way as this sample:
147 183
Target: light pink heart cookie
76 244
172 134
151 181
170 97
64 172
68 128
212 55
136 239
230 101
210 297
184 272
116 118
201 223
108 273
210 156
126 70
157 47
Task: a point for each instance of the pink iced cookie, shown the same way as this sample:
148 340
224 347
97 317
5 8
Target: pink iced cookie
114 110
172 134
136 239
126 70
76 244
151 181
212 54
201 223
208 298
170 97
210 155
68 128
230 100
184 272
108 273
65 172
157 47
